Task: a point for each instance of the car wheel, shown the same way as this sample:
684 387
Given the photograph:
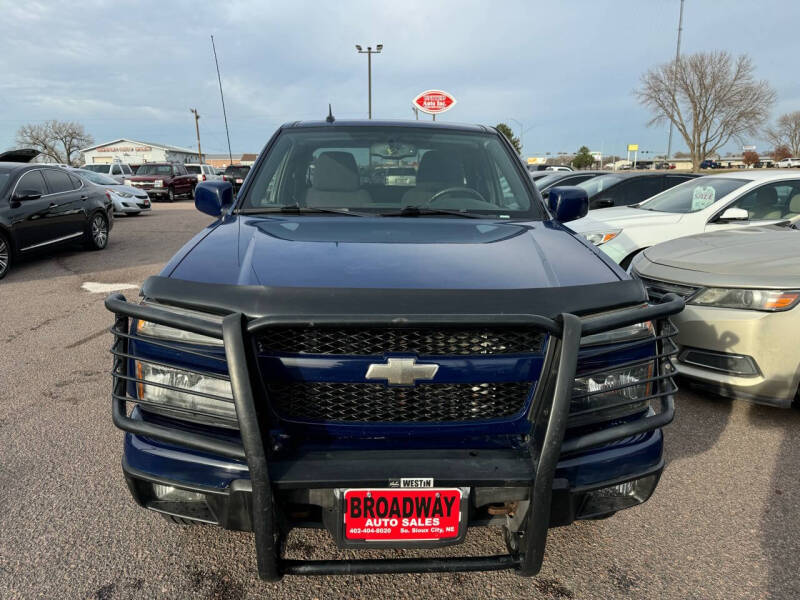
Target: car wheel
98 232
191 193
5 255
171 194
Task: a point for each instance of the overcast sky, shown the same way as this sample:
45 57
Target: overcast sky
566 70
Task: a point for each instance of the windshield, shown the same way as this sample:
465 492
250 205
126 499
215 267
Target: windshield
548 179
693 196
97 178
237 171
385 169
595 185
96 168
155 170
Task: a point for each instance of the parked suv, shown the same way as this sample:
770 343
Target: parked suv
117 170
203 172
165 181
235 174
788 163
392 363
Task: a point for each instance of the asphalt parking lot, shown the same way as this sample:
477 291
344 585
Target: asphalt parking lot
722 524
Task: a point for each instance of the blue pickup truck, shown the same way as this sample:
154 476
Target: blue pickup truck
394 361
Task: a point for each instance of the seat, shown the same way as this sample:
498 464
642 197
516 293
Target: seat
437 171
794 206
764 208
336 182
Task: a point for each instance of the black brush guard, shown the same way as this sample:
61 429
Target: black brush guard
549 418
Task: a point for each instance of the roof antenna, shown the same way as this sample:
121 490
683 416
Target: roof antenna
330 118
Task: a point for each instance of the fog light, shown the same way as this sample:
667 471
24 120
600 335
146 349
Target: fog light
618 497
173 494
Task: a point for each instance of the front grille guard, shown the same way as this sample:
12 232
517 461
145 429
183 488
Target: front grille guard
549 417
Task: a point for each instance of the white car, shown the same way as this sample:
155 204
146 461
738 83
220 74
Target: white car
710 203
116 170
203 172
788 163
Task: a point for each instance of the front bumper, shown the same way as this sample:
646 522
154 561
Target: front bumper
533 470
761 341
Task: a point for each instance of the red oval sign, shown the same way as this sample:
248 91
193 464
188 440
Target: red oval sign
434 102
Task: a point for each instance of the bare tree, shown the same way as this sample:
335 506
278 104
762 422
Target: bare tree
750 157
786 132
709 97
58 140
781 152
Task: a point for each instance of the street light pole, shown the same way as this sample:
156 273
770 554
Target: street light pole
677 58
369 52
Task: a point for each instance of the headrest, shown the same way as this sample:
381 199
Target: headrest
336 172
766 195
794 204
440 167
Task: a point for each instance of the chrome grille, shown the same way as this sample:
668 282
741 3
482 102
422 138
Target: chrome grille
657 289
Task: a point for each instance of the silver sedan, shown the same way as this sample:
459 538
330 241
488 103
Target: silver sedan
127 200
738 332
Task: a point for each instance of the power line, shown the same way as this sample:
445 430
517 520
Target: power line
224 114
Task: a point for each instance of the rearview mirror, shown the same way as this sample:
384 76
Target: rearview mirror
568 203
735 214
213 197
23 195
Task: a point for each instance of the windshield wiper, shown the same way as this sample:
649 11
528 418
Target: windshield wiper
296 209
417 211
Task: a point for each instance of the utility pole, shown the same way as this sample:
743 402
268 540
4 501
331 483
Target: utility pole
197 129
677 58
369 52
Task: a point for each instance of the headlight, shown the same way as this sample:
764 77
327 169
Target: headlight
163 332
623 334
766 300
158 183
598 238
193 383
611 394
127 182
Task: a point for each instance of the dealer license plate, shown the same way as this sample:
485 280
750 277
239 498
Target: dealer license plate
384 515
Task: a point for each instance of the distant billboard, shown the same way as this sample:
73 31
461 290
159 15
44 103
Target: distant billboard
536 160
633 147
434 102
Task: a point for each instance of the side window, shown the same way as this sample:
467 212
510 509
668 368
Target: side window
574 180
126 169
116 170
639 189
32 182
57 181
768 202
76 183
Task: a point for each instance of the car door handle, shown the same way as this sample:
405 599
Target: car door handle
52 205
84 197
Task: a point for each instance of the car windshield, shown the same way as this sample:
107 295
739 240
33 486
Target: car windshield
595 185
97 178
154 170
693 196
384 169
237 171
548 179
96 168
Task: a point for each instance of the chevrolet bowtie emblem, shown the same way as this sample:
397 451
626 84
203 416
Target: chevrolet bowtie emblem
401 371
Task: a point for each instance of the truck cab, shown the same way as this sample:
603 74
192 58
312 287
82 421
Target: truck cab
393 361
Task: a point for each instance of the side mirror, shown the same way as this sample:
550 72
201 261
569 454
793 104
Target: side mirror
23 195
735 214
212 197
568 203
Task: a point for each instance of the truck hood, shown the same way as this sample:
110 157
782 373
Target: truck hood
620 217
743 256
412 253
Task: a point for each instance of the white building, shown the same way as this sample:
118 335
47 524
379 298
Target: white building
136 152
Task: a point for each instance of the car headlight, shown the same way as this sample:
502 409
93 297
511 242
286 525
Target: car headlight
127 182
628 333
766 300
611 394
163 332
158 183
598 238
195 393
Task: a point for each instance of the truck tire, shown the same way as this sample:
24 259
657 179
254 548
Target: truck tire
191 193
97 233
183 521
5 254
171 194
